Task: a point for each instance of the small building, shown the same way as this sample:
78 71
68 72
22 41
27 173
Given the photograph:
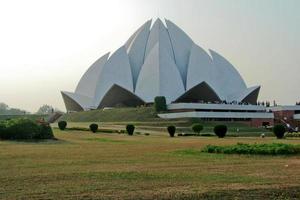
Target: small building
253 115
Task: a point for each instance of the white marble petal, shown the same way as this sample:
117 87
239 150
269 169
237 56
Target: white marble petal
136 50
182 45
116 71
88 82
228 79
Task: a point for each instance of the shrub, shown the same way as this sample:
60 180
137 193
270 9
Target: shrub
3 130
62 125
160 104
130 129
260 149
197 128
279 131
19 129
220 130
94 128
23 129
171 130
45 132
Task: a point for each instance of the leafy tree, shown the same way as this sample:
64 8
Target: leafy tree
45 110
3 107
6 110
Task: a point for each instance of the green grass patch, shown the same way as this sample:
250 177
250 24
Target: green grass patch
106 140
259 149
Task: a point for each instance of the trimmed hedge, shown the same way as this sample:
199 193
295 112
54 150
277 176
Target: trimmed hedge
160 104
279 131
261 149
94 128
62 125
171 130
130 129
220 130
197 128
24 129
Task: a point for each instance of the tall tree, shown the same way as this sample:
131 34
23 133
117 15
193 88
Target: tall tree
45 109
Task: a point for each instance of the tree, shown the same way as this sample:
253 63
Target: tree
45 110
6 110
3 107
160 103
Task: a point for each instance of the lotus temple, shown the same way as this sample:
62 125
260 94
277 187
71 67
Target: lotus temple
160 59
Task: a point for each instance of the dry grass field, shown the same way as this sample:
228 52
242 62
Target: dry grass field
82 165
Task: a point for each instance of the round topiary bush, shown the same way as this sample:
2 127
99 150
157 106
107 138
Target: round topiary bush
220 130
62 125
94 128
160 103
130 129
279 131
171 130
197 128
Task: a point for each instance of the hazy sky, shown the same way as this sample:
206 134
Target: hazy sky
46 46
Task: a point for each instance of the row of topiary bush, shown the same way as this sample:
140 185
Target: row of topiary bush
24 129
221 130
94 128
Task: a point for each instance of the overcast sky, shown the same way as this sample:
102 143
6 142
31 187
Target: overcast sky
46 46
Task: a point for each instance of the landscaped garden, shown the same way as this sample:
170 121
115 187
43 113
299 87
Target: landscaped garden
106 162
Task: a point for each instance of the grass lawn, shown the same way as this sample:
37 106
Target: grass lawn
82 165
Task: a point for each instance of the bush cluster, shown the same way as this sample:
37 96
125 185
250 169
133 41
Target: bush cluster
130 129
160 104
94 128
23 129
261 149
292 135
171 130
220 130
279 131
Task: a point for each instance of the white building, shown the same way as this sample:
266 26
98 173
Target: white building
159 60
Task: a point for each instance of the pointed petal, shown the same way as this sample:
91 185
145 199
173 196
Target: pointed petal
116 71
182 45
227 77
159 76
87 83
137 48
